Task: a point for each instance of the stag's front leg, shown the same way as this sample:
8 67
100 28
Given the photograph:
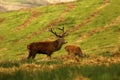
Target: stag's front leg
30 55
33 55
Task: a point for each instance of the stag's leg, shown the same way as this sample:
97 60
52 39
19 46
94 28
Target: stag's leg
77 59
33 55
30 55
49 56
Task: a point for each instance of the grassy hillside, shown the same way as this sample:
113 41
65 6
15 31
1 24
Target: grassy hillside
93 25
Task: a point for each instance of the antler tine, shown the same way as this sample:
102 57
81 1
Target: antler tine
62 29
51 30
64 33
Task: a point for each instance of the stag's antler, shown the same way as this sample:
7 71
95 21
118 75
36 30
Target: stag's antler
63 34
51 30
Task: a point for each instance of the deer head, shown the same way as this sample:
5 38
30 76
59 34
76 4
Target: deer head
60 41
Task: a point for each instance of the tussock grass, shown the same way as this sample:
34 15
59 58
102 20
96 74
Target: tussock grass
65 72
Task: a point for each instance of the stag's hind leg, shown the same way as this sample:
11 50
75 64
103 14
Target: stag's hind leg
49 56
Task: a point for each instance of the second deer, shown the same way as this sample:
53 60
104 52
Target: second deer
74 50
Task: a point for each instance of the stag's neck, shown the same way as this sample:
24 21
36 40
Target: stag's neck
58 45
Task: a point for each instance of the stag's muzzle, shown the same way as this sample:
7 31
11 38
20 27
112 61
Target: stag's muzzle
65 42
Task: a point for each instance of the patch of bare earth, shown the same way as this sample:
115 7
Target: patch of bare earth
33 16
1 20
1 38
91 17
80 77
100 29
54 22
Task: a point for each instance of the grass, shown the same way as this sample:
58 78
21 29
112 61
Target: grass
68 72
98 48
107 37
81 12
89 68
101 19
102 40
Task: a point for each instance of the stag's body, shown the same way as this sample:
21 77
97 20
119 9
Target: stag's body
74 50
47 47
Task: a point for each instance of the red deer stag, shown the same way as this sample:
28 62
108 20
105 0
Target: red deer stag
74 50
47 47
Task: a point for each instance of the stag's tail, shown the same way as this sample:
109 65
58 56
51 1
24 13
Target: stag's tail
28 46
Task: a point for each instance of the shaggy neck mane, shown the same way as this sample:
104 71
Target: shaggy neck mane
58 44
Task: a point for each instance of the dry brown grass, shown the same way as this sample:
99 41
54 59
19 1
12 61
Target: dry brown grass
93 60
8 70
79 77
116 51
48 65
1 20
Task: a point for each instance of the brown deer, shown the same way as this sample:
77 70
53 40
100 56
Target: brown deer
74 50
47 47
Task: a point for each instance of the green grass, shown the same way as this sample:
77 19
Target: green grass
12 20
82 10
105 17
68 72
108 37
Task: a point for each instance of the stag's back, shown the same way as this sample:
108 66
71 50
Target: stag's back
47 46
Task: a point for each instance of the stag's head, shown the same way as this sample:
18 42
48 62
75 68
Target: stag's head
60 37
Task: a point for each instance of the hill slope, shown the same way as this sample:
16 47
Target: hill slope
94 25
